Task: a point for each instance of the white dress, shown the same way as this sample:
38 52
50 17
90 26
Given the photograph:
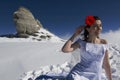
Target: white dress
90 66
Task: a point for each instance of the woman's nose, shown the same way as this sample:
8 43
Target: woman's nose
99 28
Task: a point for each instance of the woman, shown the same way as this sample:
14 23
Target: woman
94 52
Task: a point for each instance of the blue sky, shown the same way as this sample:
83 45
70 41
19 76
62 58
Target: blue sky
62 16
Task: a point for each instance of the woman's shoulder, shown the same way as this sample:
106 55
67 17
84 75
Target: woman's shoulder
106 45
103 41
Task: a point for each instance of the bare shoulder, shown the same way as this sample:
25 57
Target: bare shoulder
103 41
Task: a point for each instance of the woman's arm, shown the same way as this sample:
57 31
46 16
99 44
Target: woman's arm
106 66
69 46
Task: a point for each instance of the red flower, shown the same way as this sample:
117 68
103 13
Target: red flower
89 20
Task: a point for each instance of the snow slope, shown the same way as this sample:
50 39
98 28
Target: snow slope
17 58
19 55
23 58
43 35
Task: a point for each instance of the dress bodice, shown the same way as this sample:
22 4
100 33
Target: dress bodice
92 55
91 51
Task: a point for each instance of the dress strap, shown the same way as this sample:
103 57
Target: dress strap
106 47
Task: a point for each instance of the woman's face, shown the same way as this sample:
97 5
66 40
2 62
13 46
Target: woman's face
96 28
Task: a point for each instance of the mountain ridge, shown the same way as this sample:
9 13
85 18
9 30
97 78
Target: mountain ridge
41 35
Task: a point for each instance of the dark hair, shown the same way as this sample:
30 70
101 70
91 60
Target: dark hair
96 18
86 33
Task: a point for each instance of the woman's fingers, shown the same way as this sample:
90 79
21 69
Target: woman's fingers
79 29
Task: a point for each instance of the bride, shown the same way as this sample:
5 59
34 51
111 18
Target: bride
93 52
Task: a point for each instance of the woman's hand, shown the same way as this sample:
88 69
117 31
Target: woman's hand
69 46
79 30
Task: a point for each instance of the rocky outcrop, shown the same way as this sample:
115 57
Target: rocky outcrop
25 22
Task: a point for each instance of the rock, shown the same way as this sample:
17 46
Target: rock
38 22
43 37
22 35
25 22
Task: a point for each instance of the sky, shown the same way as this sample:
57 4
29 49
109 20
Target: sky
62 17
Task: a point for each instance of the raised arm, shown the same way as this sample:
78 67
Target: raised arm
69 46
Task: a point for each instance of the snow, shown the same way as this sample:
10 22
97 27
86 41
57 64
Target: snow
24 58
20 57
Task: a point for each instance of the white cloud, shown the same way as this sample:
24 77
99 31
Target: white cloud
112 36
67 36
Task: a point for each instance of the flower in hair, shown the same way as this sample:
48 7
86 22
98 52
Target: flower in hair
89 20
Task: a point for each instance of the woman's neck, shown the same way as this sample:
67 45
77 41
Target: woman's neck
93 39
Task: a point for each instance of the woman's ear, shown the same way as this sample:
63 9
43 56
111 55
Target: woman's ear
88 29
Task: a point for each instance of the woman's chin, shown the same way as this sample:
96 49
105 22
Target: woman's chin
98 33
